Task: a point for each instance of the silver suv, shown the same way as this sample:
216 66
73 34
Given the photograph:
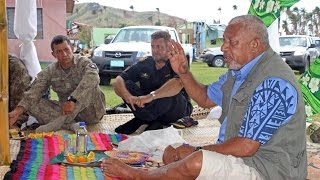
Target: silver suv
298 51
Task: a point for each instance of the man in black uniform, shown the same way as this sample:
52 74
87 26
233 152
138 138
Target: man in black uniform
152 90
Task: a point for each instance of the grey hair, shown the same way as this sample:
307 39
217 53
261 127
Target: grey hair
254 24
161 34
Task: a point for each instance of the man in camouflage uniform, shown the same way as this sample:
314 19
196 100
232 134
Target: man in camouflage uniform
75 79
19 82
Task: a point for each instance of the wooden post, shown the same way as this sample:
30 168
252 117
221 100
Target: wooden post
4 95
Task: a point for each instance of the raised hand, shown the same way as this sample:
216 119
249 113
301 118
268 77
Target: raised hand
178 60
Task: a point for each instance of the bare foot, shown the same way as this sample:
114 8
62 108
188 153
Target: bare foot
170 155
115 168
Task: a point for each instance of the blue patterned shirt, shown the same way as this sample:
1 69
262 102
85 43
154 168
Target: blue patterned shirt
273 103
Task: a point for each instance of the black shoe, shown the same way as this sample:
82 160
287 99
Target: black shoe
184 122
130 126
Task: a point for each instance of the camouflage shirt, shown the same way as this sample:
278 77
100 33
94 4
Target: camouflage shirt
19 81
77 81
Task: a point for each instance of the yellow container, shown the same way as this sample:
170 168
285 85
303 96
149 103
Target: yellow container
4 95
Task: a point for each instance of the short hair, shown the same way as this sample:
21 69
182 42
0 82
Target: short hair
251 23
58 40
161 34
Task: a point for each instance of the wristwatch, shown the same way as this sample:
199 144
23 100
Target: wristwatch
153 94
70 98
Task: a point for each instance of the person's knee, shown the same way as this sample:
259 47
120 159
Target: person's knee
191 165
194 163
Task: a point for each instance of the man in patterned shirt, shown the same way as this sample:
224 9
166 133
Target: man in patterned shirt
75 79
262 135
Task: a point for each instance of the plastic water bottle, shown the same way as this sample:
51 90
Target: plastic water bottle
81 143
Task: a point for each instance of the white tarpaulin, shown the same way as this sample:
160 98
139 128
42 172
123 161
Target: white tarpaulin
25 28
153 142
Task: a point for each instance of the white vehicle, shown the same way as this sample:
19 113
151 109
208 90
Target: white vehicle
126 48
213 57
298 51
316 41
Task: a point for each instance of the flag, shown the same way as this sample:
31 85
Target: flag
269 10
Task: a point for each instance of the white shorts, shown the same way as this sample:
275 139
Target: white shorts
219 166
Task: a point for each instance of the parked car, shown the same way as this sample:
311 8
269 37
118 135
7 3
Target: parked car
298 51
316 41
213 57
128 46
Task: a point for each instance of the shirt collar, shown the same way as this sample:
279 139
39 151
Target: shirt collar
244 71
75 57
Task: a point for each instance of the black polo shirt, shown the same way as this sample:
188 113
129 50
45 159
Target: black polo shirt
146 76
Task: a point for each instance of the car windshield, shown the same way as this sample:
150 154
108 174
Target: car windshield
293 41
137 35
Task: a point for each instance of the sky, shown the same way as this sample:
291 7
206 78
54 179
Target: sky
199 10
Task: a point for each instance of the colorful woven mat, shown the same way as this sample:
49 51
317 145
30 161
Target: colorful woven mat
35 154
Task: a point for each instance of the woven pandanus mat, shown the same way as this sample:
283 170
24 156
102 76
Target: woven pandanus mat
14 149
206 132
109 122
3 171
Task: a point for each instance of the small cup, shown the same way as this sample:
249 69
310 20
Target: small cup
68 146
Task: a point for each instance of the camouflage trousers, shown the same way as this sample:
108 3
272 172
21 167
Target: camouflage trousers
49 114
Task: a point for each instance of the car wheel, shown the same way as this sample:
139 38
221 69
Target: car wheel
218 61
105 80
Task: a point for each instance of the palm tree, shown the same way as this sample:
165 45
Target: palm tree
235 7
219 9
294 17
316 20
309 22
285 27
132 8
303 21
158 15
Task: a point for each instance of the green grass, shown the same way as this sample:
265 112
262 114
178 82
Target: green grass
205 74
